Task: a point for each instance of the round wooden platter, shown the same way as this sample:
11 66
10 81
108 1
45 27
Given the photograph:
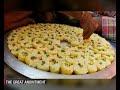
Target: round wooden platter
33 73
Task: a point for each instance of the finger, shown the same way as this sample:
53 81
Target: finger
26 21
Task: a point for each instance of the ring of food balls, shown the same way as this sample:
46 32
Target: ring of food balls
39 46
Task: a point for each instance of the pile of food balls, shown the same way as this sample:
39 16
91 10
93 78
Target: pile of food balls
39 46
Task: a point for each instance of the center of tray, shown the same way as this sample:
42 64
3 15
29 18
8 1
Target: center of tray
65 43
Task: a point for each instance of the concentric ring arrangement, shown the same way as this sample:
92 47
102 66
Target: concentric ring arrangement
39 46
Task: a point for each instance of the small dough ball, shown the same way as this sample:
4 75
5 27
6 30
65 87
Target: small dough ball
75 43
66 68
31 60
91 67
100 64
80 69
106 62
43 65
55 66
51 51
22 55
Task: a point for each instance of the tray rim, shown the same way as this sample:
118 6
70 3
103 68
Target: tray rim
34 73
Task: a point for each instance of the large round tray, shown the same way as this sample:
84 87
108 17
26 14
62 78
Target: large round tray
34 73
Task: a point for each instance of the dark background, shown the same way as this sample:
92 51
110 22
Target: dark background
47 5
40 6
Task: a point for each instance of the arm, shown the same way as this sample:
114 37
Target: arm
16 19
